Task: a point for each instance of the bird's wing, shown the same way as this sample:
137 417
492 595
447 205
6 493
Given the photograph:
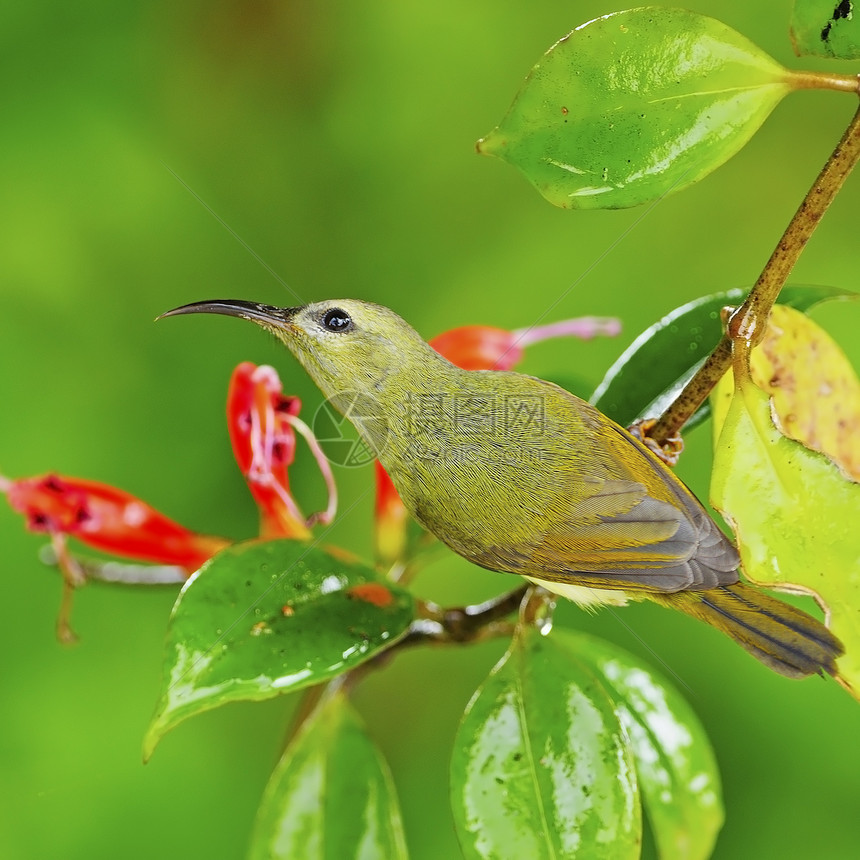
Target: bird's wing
638 526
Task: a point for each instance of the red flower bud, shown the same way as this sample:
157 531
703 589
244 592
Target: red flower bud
108 519
479 347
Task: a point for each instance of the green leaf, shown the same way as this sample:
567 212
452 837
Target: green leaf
266 617
826 28
541 765
331 796
651 372
634 105
677 771
794 514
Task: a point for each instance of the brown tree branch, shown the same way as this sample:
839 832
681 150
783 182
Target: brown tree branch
750 320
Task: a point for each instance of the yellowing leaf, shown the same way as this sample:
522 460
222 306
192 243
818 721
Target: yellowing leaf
794 515
813 387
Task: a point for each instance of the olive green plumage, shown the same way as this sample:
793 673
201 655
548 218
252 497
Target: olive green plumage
517 475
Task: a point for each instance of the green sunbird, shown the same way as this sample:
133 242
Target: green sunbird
516 474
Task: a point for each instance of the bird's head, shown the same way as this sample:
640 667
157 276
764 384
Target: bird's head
344 344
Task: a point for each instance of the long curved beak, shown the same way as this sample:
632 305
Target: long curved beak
265 315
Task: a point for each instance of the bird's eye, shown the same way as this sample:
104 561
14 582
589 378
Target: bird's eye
336 320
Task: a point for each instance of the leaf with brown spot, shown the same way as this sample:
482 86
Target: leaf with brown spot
814 390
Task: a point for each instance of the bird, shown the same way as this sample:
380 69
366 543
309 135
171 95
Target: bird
517 475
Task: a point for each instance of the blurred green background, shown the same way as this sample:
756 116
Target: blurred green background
336 139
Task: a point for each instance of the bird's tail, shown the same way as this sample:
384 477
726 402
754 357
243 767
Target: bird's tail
783 637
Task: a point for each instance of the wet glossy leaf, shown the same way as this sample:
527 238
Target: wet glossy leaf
266 617
794 514
826 28
678 774
331 797
634 105
813 388
655 367
541 765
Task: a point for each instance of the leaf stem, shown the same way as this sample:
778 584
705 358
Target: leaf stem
749 321
310 703
537 608
825 81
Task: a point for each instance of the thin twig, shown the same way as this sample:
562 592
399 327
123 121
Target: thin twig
750 320
464 623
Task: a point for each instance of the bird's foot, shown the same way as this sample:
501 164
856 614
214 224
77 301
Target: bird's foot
669 451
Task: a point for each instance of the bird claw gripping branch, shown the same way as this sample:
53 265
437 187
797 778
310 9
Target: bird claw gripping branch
669 451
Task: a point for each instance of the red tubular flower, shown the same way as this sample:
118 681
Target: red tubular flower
263 423
109 520
479 347
474 347
264 444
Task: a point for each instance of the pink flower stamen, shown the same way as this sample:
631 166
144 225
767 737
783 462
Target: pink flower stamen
323 517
